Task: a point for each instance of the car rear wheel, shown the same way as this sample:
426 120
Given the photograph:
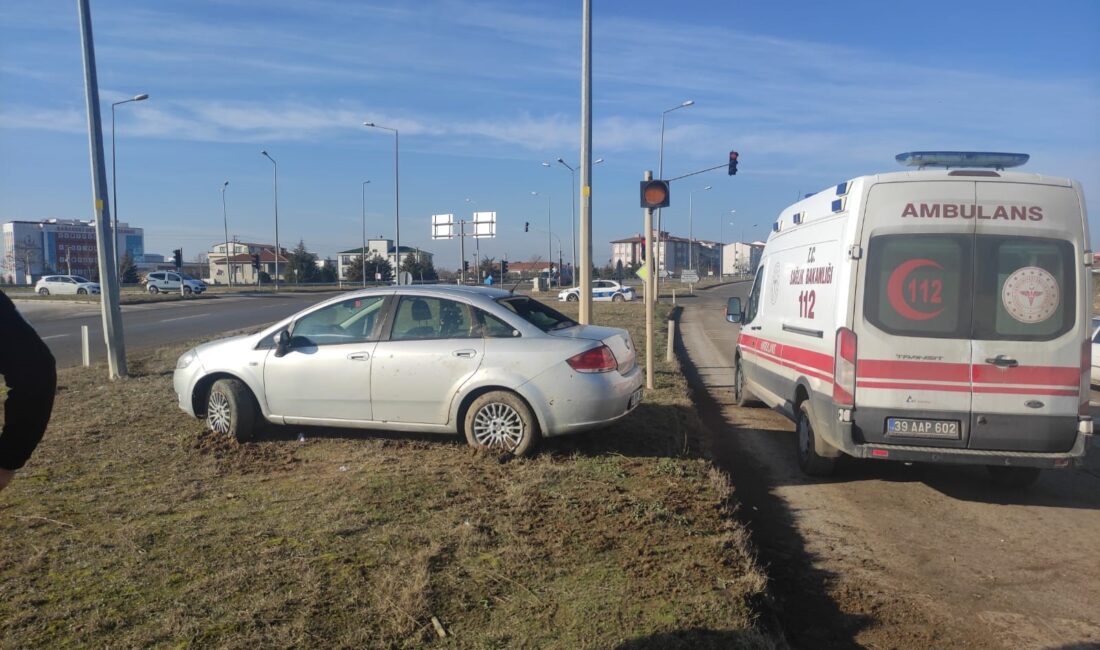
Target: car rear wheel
741 396
809 461
501 421
1013 477
230 409
618 298
43 291
153 289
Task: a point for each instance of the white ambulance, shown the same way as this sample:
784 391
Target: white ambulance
934 315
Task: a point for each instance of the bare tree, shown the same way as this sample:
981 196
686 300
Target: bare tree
23 256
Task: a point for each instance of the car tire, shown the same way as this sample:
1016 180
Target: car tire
82 292
43 291
231 410
1013 477
741 395
618 298
499 421
572 297
153 289
187 291
809 461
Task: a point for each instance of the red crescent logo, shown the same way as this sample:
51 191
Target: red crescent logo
895 287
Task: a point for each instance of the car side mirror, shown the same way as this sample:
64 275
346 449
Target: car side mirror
282 343
733 310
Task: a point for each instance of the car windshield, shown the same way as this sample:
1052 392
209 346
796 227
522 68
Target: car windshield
538 314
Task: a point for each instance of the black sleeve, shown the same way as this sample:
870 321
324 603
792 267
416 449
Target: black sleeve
31 376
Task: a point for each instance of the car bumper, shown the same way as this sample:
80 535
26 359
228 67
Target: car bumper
571 402
183 382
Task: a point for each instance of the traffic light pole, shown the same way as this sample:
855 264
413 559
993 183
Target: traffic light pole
462 251
585 315
105 244
180 269
650 292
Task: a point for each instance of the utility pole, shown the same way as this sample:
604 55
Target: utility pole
462 250
105 247
650 291
225 223
585 315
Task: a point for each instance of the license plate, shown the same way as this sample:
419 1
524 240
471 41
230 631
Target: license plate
635 399
913 428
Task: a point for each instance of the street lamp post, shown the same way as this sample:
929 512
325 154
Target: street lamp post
363 256
276 172
477 248
114 180
691 236
225 223
549 244
661 175
396 193
573 207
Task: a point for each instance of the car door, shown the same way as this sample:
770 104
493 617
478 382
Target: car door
325 374
171 282
433 348
67 285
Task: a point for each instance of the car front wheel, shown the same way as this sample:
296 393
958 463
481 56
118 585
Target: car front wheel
43 291
187 291
501 421
573 297
230 409
82 292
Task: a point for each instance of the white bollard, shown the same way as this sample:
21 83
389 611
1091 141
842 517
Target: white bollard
85 351
671 339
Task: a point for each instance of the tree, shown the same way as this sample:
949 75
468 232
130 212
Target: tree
301 265
375 265
328 272
420 267
488 268
23 255
127 270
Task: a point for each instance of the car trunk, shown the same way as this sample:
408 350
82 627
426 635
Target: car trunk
618 340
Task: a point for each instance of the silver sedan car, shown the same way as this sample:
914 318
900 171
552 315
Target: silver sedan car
502 369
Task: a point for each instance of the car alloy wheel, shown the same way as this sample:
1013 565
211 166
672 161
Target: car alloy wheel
218 413
573 297
82 292
153 289
230 409
500 421
618 298
187 291
43 291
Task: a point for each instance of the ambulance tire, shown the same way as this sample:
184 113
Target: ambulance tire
809 461
741 395
1013 477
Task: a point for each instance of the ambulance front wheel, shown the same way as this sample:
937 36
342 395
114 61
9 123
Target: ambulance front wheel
809 461
741 395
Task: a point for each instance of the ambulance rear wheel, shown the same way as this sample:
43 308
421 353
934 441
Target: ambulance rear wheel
809 461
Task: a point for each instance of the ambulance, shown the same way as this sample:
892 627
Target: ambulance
939 314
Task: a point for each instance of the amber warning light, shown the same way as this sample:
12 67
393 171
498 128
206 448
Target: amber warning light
654 194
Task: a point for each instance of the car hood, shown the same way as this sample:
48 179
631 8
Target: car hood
232 343
613 337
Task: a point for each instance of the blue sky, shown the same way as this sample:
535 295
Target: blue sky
809 93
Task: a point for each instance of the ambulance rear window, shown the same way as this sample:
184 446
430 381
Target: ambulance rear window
970 287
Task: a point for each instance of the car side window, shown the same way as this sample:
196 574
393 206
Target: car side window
348 321
754 296
492 327
420 317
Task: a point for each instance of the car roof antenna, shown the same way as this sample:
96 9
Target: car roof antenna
513 289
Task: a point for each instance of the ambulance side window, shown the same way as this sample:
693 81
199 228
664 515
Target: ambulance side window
754 296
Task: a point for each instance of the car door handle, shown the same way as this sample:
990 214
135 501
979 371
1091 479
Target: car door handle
754 327
465 354
359 356
1001 361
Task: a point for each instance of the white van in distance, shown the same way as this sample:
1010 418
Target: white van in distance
927 315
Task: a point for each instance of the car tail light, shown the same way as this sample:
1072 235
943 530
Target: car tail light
844 368
600 359
1086 378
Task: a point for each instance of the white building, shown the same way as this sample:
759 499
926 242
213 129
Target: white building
378 248
740 258
241 260
672 255
34 248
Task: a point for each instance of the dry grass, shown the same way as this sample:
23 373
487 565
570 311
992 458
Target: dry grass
134 527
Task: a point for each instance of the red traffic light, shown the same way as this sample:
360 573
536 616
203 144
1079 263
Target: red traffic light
655 194
733 163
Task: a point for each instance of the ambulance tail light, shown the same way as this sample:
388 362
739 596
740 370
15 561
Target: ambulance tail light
844 368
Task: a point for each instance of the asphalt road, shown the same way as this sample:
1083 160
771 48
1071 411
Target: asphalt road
152 325
889 555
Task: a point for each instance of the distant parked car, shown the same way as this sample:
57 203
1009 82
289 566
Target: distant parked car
169 281
502 369
65 284
601 290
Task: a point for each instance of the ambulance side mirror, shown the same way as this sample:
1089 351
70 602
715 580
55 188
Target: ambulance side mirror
733 310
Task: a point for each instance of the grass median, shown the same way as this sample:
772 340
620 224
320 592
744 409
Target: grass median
133 526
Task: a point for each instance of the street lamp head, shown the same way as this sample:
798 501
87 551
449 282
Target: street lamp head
225 185
368 123
597 161
546 164
706 188
559 160
688 102
534 193
140 98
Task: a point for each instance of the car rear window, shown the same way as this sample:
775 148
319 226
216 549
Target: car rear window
961 286
536 313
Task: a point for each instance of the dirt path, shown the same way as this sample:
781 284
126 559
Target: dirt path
889 556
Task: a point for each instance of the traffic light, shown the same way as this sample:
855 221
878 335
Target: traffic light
503 268
177 258
255 261
654 194
465 266
526 226
733 163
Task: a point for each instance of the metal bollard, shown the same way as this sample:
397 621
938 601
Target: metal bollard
85 351
671 340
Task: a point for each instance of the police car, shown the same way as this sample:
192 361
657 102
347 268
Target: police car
601 290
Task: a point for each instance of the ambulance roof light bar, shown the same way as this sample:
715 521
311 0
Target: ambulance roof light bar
949 159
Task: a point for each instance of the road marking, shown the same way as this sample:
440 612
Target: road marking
166 320
55 336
